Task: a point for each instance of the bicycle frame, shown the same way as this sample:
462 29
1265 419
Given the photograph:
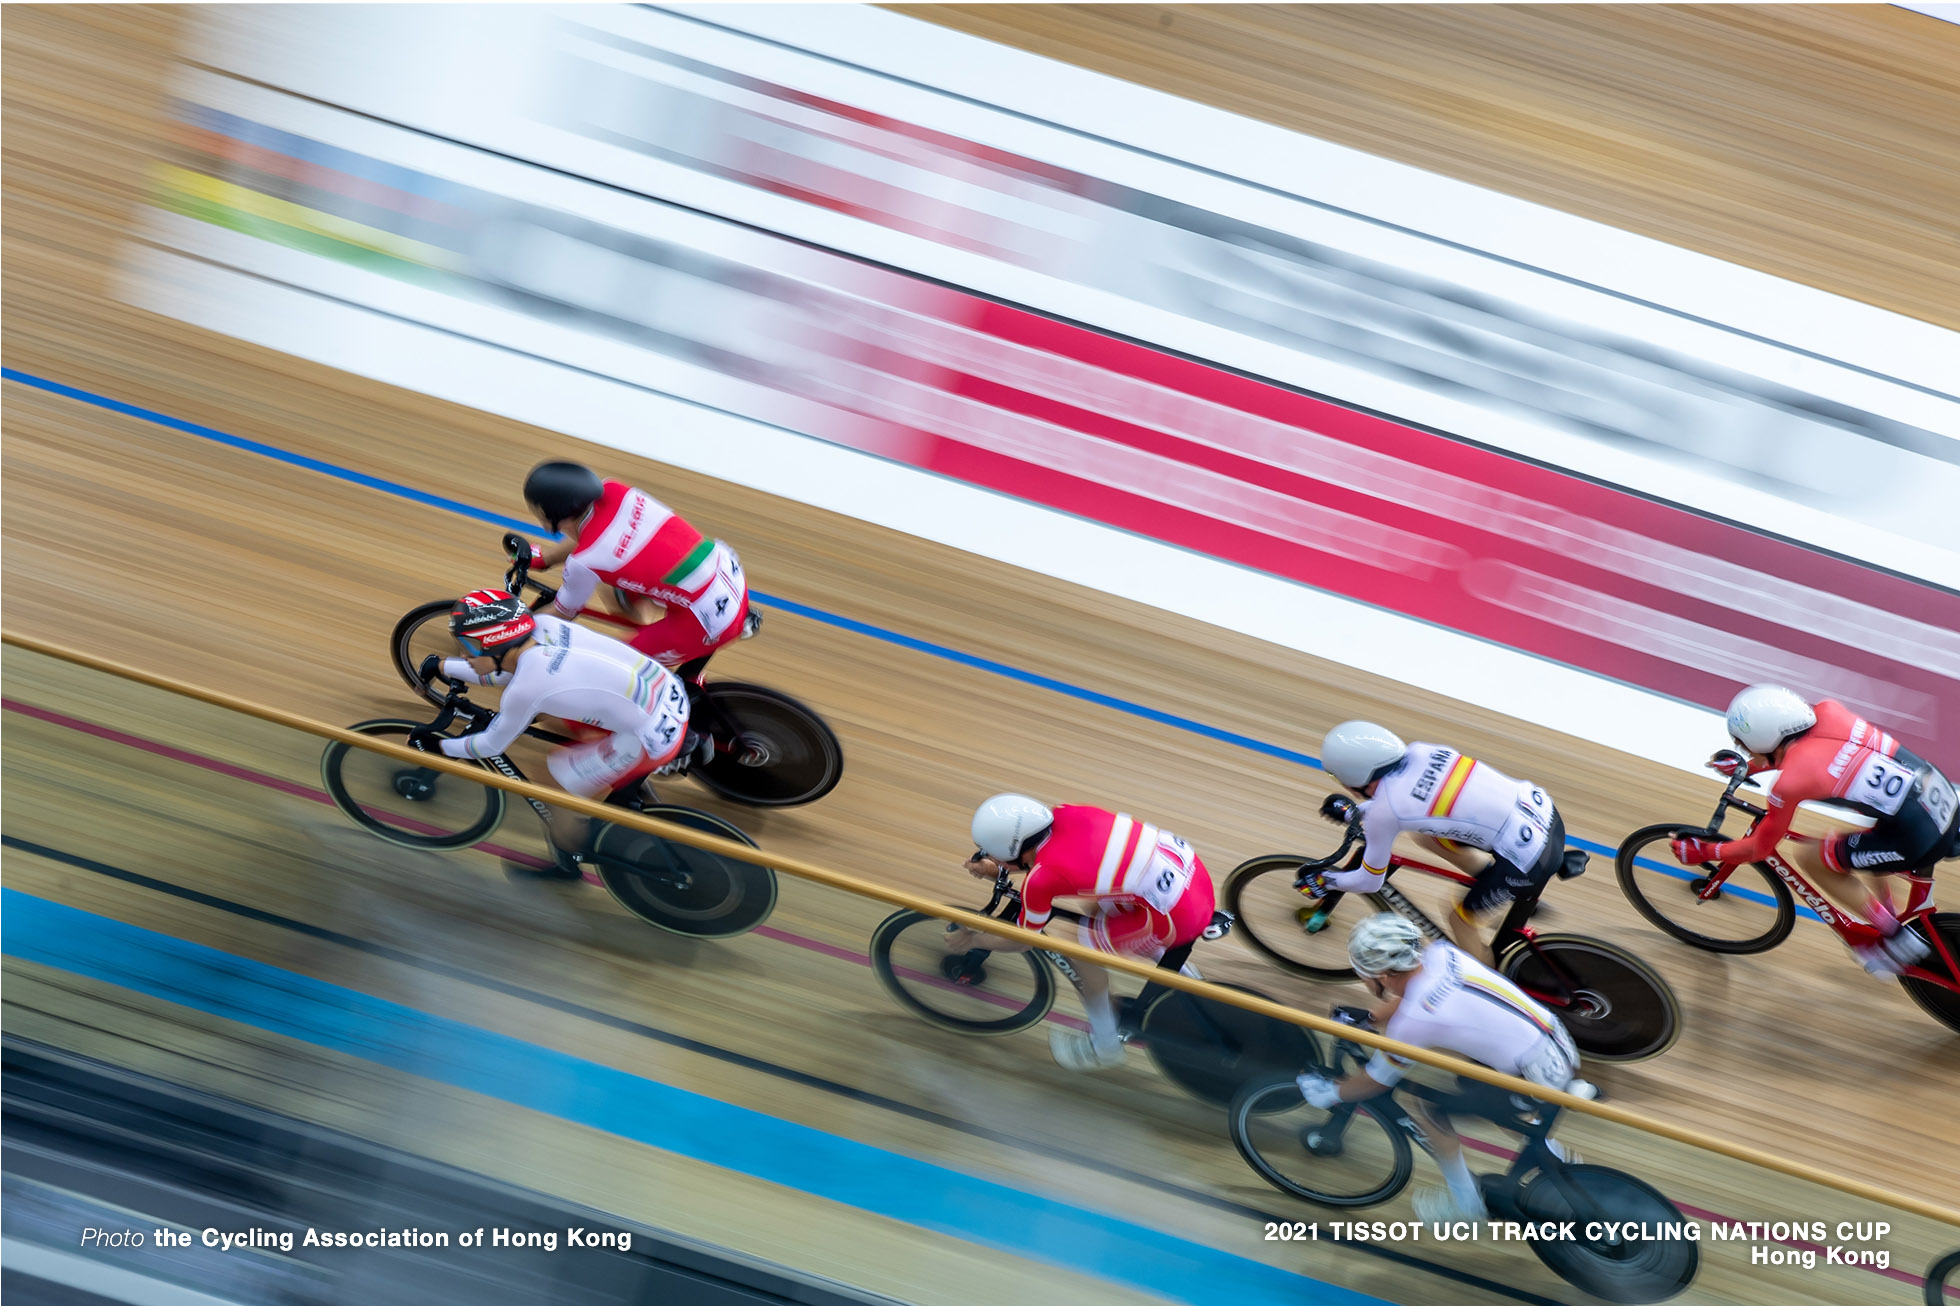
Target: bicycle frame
1856 933
1514 928
1005 904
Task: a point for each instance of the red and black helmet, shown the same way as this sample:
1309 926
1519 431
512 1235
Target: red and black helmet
485 621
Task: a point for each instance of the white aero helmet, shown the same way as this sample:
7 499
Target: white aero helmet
1358 752
1384 942
1764 716
1004 823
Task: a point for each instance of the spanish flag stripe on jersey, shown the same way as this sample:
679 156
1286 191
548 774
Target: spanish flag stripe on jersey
1452 786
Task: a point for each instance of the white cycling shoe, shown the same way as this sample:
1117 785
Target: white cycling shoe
1889 957
1075 1050
1440 1206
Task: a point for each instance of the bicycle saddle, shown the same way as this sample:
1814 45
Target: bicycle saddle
1574 865
1221 925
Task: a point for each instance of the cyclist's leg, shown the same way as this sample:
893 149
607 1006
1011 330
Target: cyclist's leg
1434 1117
1504 884
1128 931
636 608
592 770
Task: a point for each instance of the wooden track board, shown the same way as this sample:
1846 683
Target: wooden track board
209 546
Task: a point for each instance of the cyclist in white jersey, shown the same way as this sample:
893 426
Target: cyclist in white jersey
1458 808
549 667
1435 995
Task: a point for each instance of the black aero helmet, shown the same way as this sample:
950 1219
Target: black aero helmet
558 490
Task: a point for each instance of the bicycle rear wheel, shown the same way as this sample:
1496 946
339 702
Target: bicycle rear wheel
1276 921
1942 1004
1346 1157
1616 1007
770 750
975 992
680 888
1944 1269
414 806
420 632
1627 1270
1212 1049
1751 912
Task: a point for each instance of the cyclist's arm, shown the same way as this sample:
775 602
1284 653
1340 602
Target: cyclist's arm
1037 898
519 709
550 555
460 669
576 592
1379 826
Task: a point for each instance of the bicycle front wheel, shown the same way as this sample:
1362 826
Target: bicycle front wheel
1944 1269
1936 1000
1625 1269
414 806
1212 1049
420 632
979 991
1616 1007
1343 1158
770 750
680 888
1275 919
1751 912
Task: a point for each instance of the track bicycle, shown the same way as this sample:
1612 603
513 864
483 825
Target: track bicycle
676 887
1747 908
1207 1048
1616 1007
769 750
1361 1153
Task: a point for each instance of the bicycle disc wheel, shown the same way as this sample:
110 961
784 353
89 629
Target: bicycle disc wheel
1212 1049
1626 1270
977 992
1942 1004
1273 918
1752 912
676 887
415 806
1343 1158
1616 1007
420 632
1944 1269
770 750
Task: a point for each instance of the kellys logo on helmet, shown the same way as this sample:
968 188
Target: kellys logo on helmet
487 621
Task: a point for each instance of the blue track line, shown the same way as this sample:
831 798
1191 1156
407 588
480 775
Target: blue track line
768 600
886 1183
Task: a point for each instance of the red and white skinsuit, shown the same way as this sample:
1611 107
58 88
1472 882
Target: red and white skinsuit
637 544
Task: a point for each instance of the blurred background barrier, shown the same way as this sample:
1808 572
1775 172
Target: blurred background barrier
317 205
411 999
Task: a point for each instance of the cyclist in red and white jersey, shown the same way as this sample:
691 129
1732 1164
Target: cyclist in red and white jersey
548 666
1830 754
625 538
1149 892
1458 808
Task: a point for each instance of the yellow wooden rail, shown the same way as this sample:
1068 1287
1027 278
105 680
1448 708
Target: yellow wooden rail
900 898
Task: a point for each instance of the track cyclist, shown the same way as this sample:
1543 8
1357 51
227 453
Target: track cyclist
1505 832
1150 890
546 665
1828 753
625 539
1435 995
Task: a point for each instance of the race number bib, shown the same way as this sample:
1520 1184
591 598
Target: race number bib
1881 784
1937 797
721 603
668 721
1168 875
1526 831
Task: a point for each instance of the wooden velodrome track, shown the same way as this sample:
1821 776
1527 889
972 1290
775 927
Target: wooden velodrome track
277 582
